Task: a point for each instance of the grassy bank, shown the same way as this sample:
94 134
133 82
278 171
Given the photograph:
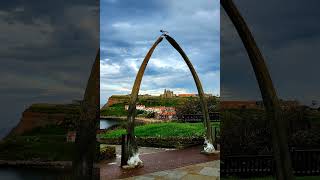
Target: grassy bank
44 144
114 110
118 109
169 129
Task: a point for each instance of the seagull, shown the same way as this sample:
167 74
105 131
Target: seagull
164 33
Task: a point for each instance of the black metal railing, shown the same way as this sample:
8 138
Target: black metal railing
305 162
199 117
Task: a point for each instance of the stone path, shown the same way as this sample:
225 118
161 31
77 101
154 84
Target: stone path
203 171
158 162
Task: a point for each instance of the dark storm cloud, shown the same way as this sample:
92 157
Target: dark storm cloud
129 28
46 53
288 36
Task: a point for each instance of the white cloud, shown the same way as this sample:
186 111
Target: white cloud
174 63
108 69
194 24
122 25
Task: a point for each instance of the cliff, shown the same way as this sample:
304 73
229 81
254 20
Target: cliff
41 115
116 99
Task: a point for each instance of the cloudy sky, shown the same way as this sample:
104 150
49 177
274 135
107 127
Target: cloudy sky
46 53
287 33
128 29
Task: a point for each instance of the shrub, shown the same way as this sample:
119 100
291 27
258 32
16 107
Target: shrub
107 152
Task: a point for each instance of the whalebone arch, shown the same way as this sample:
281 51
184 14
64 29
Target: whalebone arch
132 147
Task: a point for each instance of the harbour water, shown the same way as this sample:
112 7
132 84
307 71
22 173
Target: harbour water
107 123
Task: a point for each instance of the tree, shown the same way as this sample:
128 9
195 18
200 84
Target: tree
269 96
193 106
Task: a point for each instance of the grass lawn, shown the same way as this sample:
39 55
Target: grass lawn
169 129
45 148
46 144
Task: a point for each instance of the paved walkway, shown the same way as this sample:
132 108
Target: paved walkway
156 162
203 171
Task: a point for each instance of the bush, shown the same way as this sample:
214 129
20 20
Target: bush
248 132
193 106
306 139
107 152
114 110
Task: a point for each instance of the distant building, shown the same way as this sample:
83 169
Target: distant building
138 107
166 113
71 136
187 95
161 112
145 95
193 95
167 94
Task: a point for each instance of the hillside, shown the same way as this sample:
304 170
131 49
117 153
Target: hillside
41 134
116 103
42 115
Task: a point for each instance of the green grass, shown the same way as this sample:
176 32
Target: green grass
55 108
46 148
114 110
170 129
45 143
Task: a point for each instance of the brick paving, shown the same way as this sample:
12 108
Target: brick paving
203 171
162 161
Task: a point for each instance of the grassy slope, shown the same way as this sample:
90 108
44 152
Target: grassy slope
55 108
118 109
170 129
114 110
46 144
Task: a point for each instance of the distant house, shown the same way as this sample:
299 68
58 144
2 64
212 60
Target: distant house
167 94
138 107
71 136
187 95
161 112
193 95
167 113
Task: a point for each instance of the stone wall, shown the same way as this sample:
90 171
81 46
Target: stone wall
169 142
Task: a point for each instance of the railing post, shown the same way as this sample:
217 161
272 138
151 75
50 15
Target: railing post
124 148
214 135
